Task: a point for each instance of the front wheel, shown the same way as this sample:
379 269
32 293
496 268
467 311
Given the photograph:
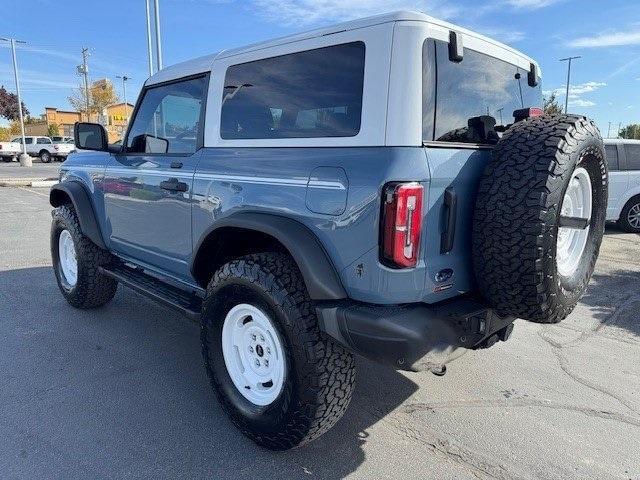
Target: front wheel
45 157
279 378
77 261
630 216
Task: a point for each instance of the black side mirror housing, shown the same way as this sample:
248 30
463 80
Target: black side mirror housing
90 136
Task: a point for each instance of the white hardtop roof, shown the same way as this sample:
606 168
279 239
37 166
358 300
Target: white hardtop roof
204 63
621 140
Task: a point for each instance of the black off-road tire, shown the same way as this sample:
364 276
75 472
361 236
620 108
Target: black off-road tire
623 221
319 375
92 288
517 212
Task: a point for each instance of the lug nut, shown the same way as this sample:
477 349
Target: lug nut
262 338
253 337
266 363
250 349
257 362
268 351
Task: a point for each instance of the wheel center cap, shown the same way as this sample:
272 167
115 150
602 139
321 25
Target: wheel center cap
259 350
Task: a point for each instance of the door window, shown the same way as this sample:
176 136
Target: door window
633 157
611 152
310 94
169 118
43 141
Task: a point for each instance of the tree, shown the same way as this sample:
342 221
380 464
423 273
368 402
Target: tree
631 131
9 105
551 105
101 95
53 130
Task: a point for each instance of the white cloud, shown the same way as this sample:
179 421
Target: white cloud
531 4
307 12
579 102
506 36
610 39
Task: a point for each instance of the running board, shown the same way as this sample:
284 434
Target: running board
186 303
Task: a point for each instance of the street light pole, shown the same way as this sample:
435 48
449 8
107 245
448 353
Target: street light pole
149 44
25 160
124 94
156 9
566 99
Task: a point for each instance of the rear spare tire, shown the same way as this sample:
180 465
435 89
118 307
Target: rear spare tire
539 217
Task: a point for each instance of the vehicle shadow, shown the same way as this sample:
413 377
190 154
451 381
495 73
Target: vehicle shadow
121 391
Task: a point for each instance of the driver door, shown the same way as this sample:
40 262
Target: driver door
147 188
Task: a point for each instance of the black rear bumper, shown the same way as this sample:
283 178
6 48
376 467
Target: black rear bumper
414 336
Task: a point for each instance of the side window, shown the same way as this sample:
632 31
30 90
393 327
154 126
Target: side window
611 152
168 119
633 156
472 96
43 141
28 140
310 94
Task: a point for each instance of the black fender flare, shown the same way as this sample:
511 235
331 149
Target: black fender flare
318 272
81 201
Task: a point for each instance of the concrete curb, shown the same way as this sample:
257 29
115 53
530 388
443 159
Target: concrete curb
27 182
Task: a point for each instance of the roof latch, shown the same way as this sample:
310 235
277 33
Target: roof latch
455 46
532 76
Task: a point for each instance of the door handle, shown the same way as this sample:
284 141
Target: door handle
176 164
173 185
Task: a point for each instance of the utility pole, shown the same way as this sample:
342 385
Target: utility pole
619 128
84 70
566 99
158 42
124 94
609 131
25 160
149 44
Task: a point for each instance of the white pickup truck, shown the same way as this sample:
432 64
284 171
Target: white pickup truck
43 147
9 151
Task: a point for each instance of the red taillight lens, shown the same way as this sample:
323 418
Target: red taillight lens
402 224
536 112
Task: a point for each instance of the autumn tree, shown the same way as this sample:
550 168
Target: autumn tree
101 95
53 130
631 131
9 105
550 104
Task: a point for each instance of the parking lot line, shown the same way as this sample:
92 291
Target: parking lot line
33 191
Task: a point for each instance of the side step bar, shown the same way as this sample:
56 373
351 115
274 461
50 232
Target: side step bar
186 303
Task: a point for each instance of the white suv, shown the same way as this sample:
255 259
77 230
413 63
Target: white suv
623 157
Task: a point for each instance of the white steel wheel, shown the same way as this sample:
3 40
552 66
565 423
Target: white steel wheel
68 259
253 354
577 203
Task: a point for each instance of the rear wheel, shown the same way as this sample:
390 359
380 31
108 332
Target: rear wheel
45 156
629 219
539 217
279 378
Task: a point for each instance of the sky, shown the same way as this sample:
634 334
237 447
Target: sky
605 82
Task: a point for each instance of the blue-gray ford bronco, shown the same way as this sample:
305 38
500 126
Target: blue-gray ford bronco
387 187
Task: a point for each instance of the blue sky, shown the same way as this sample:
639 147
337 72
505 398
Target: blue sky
605 81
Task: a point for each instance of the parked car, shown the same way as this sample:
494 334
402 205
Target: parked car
58 139
388 186
10 151
63 150
623 157
38 146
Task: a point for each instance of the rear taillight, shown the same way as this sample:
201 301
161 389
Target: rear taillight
401 224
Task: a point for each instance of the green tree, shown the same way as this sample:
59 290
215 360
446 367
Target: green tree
53 130
9 105
550 104
631 131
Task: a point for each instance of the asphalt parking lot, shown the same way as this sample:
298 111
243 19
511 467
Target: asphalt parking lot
120 392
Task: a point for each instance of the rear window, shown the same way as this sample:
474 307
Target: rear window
611 152
310 94
462 99
633 157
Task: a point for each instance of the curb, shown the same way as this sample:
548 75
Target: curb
27 182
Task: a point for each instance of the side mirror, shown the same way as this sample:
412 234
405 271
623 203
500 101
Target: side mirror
90 136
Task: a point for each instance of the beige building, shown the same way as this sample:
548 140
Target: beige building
114 117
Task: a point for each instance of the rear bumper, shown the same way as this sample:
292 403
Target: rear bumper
413 337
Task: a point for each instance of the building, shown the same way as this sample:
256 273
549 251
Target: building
114 117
